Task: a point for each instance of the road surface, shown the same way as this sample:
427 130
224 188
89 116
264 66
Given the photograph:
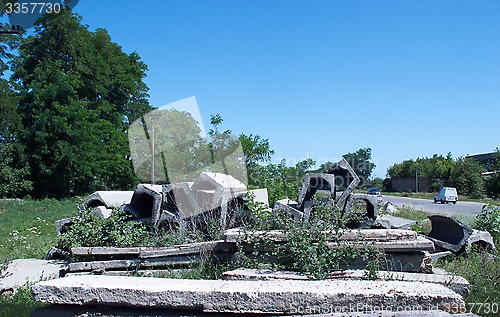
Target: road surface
460 208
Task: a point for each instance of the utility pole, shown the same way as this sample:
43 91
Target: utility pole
416 181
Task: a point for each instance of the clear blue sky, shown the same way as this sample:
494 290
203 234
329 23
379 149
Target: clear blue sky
323 78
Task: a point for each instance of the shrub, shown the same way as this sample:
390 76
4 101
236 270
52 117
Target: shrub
489 220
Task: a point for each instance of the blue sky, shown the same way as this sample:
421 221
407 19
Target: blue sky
323 78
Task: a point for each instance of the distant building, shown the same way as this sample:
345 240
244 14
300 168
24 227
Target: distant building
484 159
409 184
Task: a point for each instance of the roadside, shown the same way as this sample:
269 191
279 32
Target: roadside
430 196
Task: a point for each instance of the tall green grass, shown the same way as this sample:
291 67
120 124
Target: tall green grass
27 228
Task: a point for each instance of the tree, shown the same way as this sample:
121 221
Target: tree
361 163
78 93
467 178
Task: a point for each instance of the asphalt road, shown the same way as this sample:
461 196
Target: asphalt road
460 208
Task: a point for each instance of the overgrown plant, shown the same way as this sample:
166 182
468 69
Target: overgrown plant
312 247
489 220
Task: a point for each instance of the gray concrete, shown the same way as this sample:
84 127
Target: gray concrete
220 296
290 207
461 208
108 199
22 271
448 233
481 238
454 282
101 212
391 222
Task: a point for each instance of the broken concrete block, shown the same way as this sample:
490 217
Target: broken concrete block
275 296
108 199
312 183
212 181
390 208
146 202
288 206
260 196
101 212
448 233
482 239
62 225
31 271
343 168
371 201
391 222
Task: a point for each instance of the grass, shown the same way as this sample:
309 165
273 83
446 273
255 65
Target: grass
482 272
430 196
27 228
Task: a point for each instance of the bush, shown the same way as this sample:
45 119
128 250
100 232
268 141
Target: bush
489 220
91 231
307 248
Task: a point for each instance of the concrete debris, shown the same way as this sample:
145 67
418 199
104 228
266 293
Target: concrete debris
274 296
101 212
56 254
108 199
313 183
450 234
290 207
325 183
454 282
392 222
390 208
482 239
28 271
63 225
372 203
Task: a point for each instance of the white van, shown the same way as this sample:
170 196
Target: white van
446 195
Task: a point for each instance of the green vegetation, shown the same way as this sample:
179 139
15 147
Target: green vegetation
464 173
481 270
19 304
27 227
307 247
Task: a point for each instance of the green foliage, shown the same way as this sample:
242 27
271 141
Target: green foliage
27 226
13 172
78 92
360 161
310 247
21 303
280 180
483 274
467 178
489 220
437 168
92 231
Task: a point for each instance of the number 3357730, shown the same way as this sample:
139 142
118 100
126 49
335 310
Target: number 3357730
32 7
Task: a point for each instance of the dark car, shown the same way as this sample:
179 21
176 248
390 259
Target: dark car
374 191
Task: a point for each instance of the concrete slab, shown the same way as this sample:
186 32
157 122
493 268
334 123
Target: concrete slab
220 296
290 207
101 212
212 181
397 222
108 199
454 282
448 233
31 271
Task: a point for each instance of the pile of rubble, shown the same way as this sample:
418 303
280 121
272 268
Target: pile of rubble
407 255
